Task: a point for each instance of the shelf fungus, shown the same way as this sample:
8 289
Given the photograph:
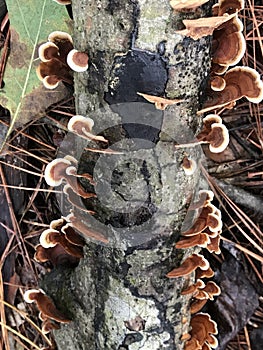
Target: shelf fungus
189 166
228 6
228 44
200 27
45 305
63 169
78 61
77 223
240 82
59 59
159 102
202 294
186 4
60 244
189 265
213 133
82 126
53 55
203 331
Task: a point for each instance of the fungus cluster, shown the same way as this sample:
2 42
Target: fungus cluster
48 313
66 169
60 244
58 60
228 47
214 133
204 233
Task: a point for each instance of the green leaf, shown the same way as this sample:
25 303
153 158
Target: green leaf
31 21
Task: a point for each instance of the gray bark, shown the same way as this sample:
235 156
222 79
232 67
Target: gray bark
115 283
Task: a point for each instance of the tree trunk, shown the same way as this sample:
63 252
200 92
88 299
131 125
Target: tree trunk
119 296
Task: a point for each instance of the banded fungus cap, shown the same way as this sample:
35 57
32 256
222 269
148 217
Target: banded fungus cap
200 240
82 126
52 72
45 305
197 305
194 287
202 326
56 255
218 69
63 41
218 138
81 226
189 265
189 166
49 238
186 4
240 82
230 6
217 83
204 197
200 27
229 44
208 273
72 236
160 102
47 51
209 291
48 325
207 125
78 61
214 245
55 171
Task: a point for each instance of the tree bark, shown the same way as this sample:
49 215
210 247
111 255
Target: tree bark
133 48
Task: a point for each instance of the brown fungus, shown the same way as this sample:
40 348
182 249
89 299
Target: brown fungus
240 82
45 305
82 126
159 102
78 61
189 265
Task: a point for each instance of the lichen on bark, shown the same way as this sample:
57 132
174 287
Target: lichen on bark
133 47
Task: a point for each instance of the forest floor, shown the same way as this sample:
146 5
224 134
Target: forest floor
28 204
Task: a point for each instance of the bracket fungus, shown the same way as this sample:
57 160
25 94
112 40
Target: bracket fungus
189 166
53 55
217 83
203 329
229 6
189 265
228 44
56 255
200 27
204 197
62 169
45 305
82 126
240 82
213 133
77 223
159 102
50 238
78 61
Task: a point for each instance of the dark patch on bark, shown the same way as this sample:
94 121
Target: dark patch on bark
137 71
